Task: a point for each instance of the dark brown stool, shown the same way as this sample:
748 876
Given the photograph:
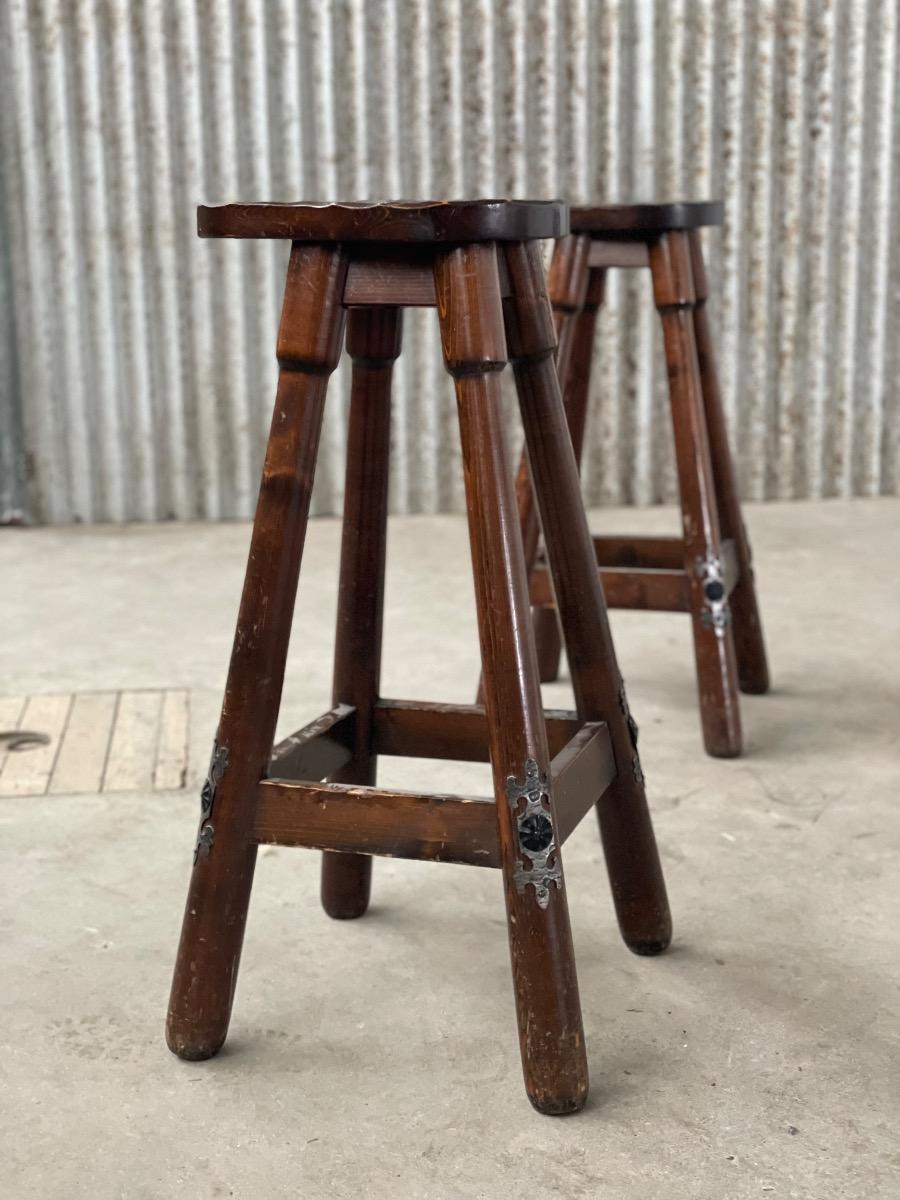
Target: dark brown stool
479 263
708 571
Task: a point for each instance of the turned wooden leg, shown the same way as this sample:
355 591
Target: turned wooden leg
574 370
670 265
209 952
629 845
550 1028
373 342
753 669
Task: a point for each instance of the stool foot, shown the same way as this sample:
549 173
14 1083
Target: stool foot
193 1044
346 885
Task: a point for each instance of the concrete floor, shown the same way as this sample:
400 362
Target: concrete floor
379 1058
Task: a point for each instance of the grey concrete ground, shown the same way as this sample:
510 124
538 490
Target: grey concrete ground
379 1058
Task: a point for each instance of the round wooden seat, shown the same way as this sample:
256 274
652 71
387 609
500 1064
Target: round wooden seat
639 220
391 221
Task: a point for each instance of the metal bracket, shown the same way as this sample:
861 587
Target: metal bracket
636 768
715 614
206 833
537 839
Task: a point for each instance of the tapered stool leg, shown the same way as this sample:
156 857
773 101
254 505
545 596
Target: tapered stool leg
629 845
550 1028
670 265
216 911
373 342
749 645
574 369
569 274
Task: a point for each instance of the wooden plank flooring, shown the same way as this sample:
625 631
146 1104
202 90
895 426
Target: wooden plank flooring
124 741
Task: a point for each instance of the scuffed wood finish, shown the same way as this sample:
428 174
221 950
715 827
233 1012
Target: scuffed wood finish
342 817
356 821
673 291
373 343
753 667
543 962
629 845
407 221
421 729
216 911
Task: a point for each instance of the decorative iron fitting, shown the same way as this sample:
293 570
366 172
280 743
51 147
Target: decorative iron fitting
206 832
636 769
632 723
538 863
715 614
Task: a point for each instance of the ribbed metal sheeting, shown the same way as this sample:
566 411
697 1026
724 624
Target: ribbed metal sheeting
138 370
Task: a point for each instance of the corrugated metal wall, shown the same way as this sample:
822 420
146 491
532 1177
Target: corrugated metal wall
138 370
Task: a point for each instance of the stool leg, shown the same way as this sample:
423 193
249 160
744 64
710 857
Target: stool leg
574 369
632 859
543 965
753 669
224 860
373 342
670 265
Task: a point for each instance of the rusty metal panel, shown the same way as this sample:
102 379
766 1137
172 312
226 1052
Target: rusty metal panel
136 363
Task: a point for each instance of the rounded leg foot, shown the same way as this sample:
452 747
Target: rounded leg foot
724 741
346 885
650 947
554 1104
753 680
191 1043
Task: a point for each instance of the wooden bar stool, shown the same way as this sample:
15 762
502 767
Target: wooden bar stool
708 571
479 264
